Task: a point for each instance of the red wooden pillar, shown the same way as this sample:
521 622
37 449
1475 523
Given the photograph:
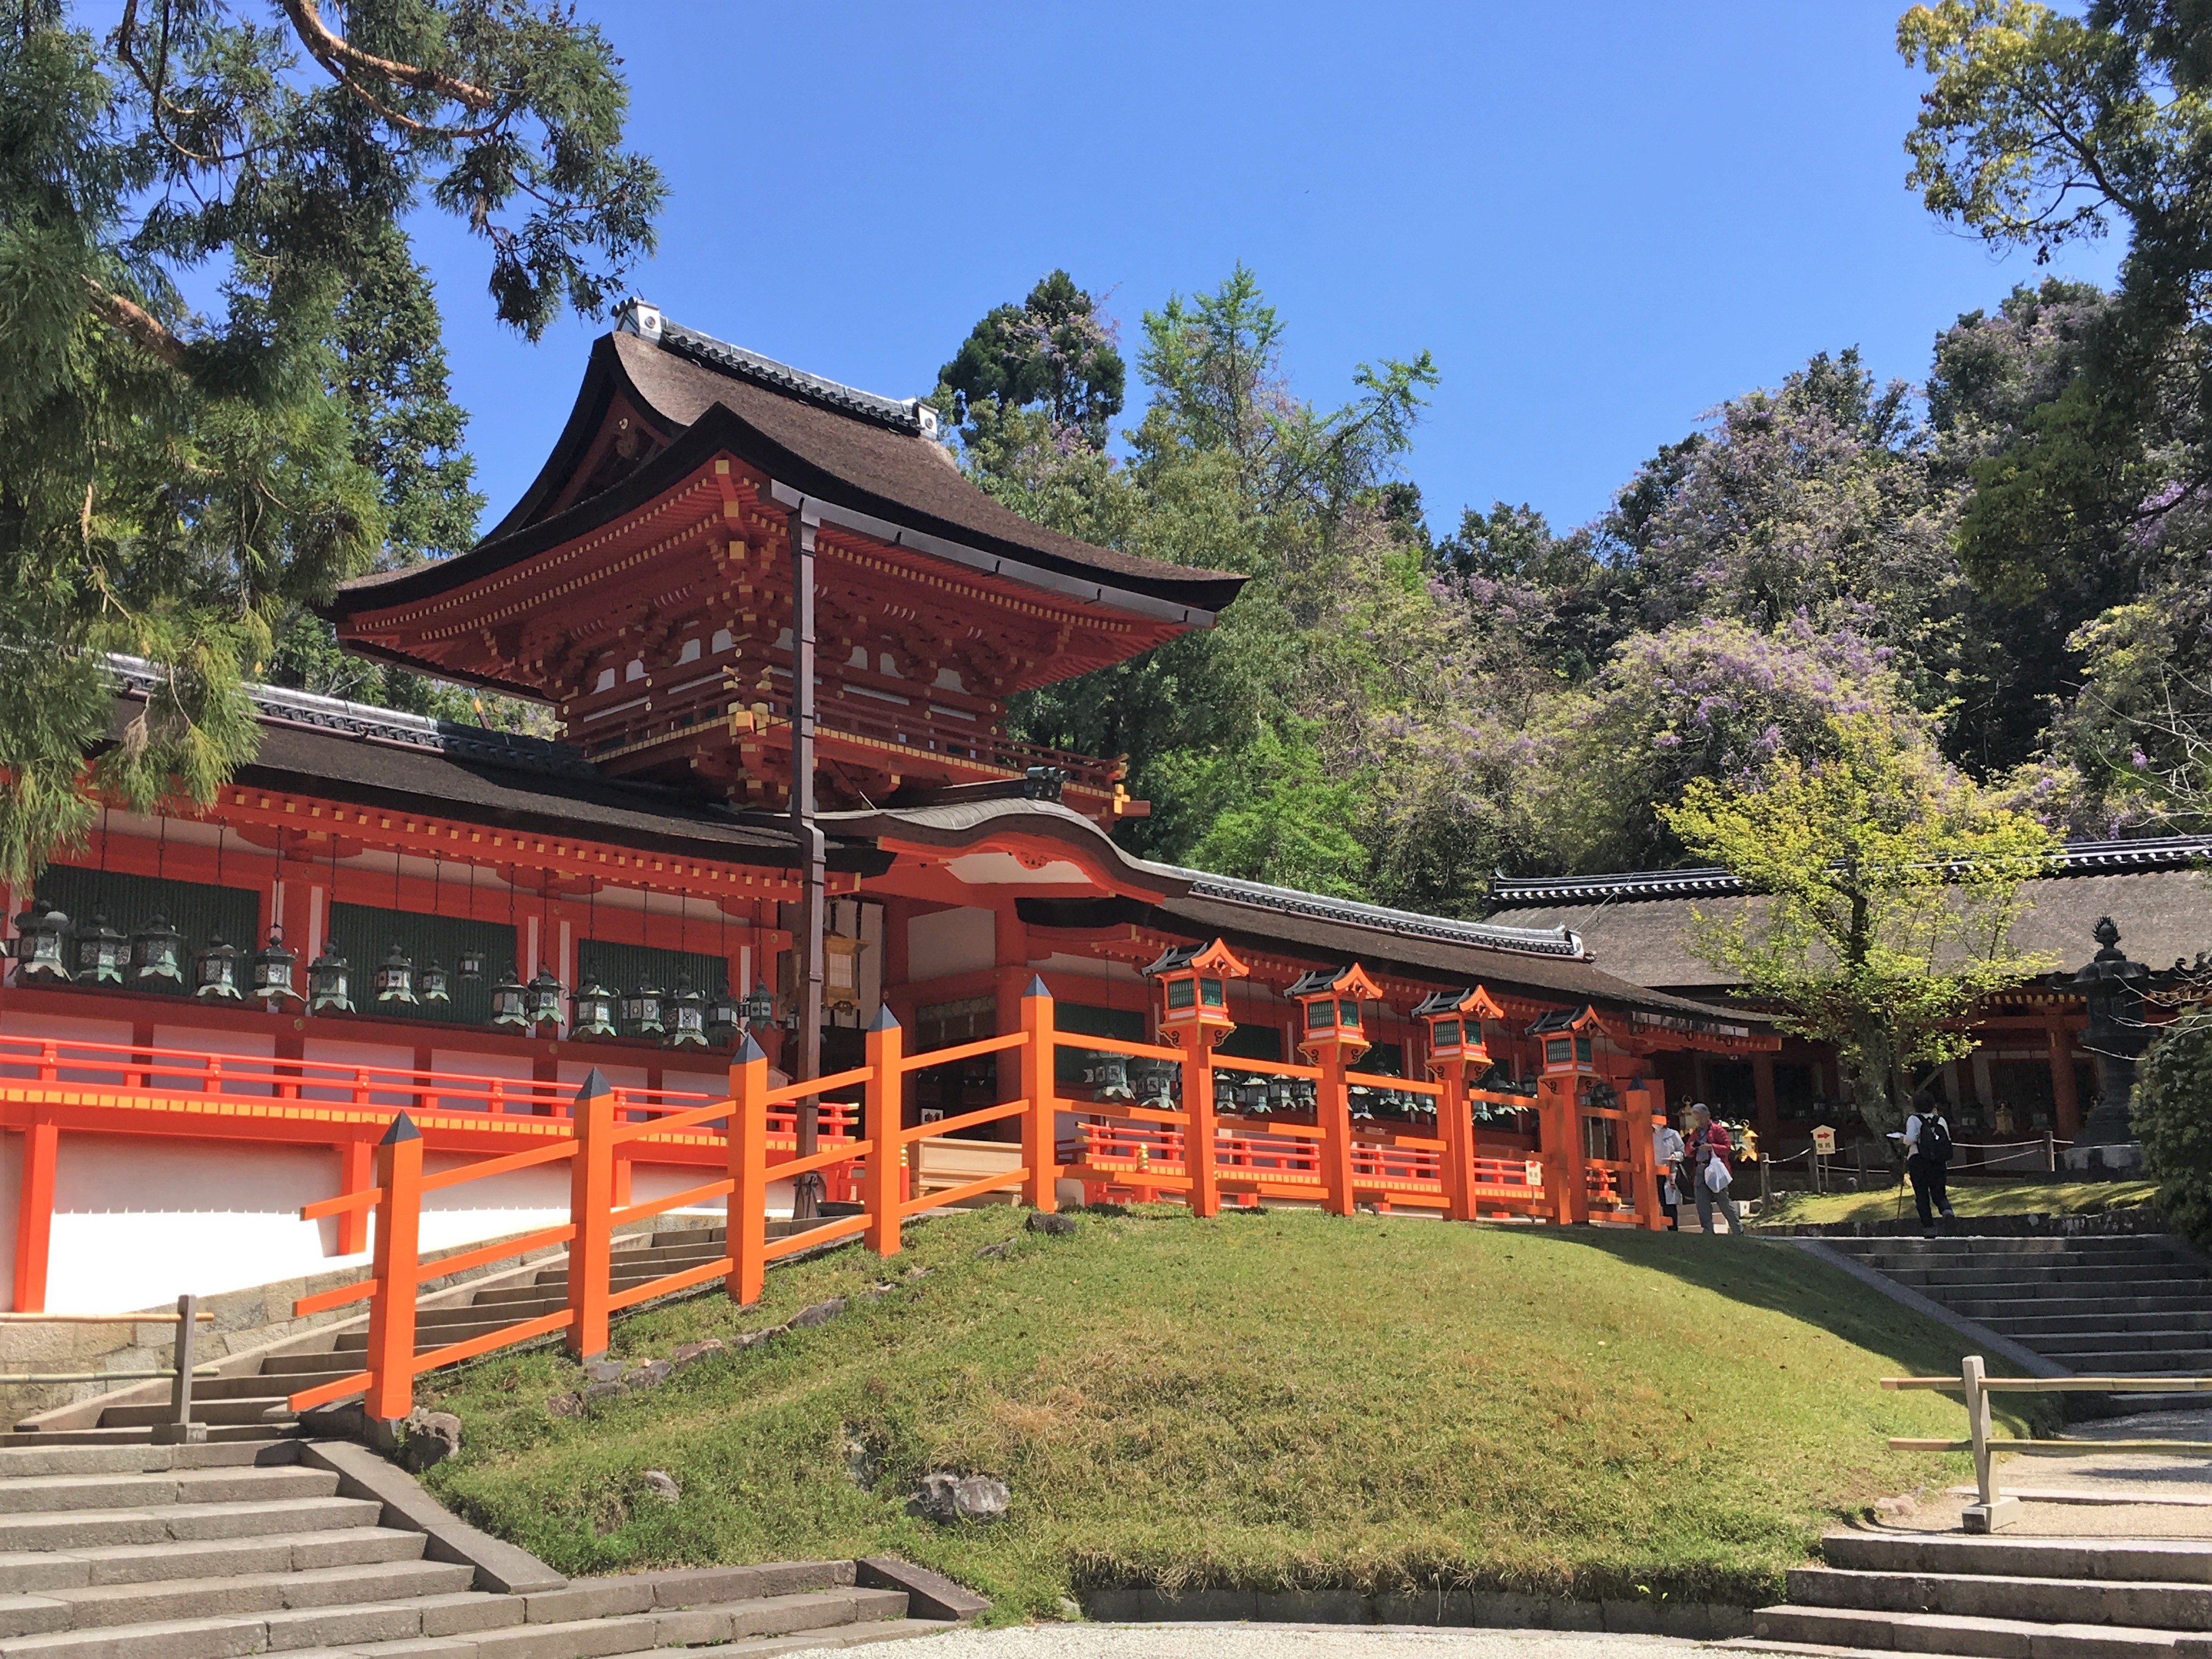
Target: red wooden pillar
884 1096
1039 1156
1333 1114
1559 1140
1647 1106
34 1216
590 1211
746 1234
1457 1126
1769 1119
357 1169
1199 1131
2066 1105
396 1267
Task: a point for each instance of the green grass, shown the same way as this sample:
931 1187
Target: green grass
1264 1399
1970 1195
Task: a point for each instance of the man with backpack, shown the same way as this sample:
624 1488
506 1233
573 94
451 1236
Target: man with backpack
1927 1155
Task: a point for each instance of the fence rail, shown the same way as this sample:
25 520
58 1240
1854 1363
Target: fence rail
1992 1510
1185 1148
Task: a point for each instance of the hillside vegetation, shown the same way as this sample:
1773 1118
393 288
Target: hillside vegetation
1269 1399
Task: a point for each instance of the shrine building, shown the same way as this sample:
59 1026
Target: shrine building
213 1017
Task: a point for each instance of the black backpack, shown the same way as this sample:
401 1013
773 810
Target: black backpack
1935 1138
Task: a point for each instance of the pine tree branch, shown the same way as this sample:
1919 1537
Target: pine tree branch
339 55
136 323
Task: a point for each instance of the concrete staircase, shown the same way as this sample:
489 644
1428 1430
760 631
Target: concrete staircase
120 1552
2117 1304
253 1406
2006 1598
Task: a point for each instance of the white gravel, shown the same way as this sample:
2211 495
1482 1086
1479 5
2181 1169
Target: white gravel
1292 1642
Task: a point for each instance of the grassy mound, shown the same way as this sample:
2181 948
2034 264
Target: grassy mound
1262 1400
1970 1195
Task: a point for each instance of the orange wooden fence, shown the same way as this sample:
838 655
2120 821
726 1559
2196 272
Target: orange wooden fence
1189 1150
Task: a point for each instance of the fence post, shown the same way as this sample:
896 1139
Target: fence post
745 1232
391 1364
1992 1510
357 1169
885 1130
180 1430
590 1211
1765 1185
1333 1114
2049 1154
1455 1118
1039 1063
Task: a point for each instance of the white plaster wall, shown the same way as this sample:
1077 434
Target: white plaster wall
16 1024
323 1051
246 1045
942 943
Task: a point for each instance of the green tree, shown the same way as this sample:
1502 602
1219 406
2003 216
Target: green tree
2173 1118
1887 887
182 475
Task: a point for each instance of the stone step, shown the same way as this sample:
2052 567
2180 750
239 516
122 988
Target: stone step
105 1605
2117 1560
250 1410
46 1493
1987 1307
767 1647
2028 1326
2165 1280
39 1572
329 1362
76 1529
1978 1638
1982 1596
138 1458
2118 1341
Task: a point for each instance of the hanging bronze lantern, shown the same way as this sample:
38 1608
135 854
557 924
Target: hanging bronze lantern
41 944
592 1012
273 967
394 978
473 963
687 1017
215 971
641 1012
544 999
433 981
102 953
725 1019
330 982
158 951
509 1004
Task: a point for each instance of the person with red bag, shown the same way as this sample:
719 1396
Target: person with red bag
1710 1153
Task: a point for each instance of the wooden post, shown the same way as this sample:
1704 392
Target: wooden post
1199 1162
34 1216
1559 1137
1038 1154
180 1430
357 1169
812 908
390 1358
885 1128
745 1235
2066 1105
2049 1154
1457 1125
1646 1107
590 1211
1333 1114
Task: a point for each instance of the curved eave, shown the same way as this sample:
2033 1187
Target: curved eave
719 429
1008 826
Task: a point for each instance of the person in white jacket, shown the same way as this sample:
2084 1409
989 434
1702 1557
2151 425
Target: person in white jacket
1666 1153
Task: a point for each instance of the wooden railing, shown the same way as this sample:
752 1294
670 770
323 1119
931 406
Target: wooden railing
1992 1510
1186 1150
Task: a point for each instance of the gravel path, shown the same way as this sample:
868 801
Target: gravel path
1292 1642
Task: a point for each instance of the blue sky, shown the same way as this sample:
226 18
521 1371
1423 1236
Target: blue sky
1602 219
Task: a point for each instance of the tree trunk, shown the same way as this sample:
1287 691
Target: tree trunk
1873 1062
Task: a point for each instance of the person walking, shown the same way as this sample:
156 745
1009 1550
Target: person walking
1667 1156
1708 1151
1926 1161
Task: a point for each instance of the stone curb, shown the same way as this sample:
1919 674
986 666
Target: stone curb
1431 1610
500 1566
929 1595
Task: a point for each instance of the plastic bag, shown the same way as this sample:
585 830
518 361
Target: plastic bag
1669 1194
1717 1177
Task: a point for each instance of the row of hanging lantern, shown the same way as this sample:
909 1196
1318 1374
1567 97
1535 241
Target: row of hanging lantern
48 949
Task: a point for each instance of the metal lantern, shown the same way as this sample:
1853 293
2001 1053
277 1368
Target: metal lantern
102 953
42 944
542 1000
1567 1035
592 1012
330 982
725 1017
641 1012
1455 1020
1194 981
1330 1000
473 963
509 1003
1109 1078
215 971
687 1018
434 981
273 967
394 978
158 951
760 1006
